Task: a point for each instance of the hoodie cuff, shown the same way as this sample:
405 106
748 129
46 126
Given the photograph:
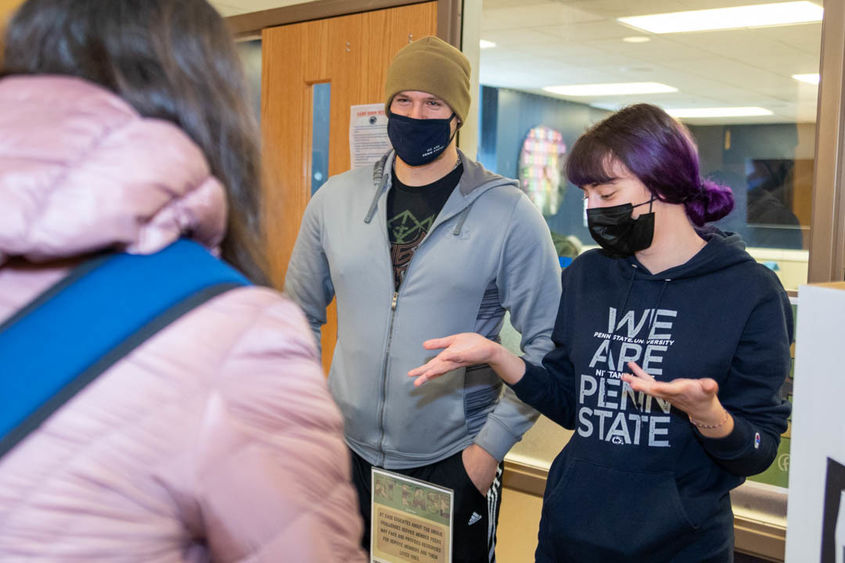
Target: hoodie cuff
495 439
732 446
527 387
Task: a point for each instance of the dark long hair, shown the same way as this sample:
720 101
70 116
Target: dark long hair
656 149
169 59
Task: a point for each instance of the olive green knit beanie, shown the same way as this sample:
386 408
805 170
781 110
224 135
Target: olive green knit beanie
431 65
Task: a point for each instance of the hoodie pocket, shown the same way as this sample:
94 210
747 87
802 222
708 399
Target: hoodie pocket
597 513
461 470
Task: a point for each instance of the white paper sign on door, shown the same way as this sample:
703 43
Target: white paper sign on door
367 134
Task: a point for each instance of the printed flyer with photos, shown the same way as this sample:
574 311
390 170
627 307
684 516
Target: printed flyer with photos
411 520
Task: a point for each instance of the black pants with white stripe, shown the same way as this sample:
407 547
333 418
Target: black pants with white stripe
475 515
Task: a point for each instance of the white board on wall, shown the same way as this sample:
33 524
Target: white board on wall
817 468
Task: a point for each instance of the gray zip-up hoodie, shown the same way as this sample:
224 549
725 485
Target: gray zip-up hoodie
488 251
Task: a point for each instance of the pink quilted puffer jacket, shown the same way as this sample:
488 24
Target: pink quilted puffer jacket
216 439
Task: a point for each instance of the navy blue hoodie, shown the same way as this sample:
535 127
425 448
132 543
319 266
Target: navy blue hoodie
637 482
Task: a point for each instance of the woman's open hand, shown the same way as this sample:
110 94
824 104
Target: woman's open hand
460 350
468 349
696 397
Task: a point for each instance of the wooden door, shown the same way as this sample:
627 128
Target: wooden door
352 54
7 10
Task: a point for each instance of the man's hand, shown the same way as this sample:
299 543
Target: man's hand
480 466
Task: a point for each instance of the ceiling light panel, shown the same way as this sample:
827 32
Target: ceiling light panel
747 111
757 15
611 89
812 78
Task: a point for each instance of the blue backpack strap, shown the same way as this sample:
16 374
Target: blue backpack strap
105 308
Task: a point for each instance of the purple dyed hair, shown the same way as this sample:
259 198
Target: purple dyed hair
656 149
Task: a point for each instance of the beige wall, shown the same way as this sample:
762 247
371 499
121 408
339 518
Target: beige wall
519 522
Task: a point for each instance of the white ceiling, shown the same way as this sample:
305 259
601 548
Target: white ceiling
553 42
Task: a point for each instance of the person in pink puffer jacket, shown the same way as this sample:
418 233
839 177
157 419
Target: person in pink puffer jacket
120 124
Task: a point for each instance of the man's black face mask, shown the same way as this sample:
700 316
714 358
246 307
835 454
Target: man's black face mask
419 141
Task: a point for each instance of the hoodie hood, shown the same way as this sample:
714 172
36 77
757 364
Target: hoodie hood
474 181
474 176
722 250
81 171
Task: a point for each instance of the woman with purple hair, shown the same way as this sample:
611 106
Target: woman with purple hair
671 346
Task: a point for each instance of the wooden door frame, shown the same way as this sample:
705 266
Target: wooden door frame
449 13
827 231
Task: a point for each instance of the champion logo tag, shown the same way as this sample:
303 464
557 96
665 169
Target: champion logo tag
474 518
756 440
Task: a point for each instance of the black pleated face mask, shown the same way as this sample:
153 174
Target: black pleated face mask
419 141
617 232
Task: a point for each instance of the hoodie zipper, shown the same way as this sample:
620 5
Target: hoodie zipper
384 372
394 301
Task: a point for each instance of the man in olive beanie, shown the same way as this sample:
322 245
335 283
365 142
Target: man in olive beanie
427 243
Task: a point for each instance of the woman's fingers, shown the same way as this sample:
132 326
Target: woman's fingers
709 386
431 370
418 371
440 364
639 379
421 379
437 343
457 350
638 371
688 395
425 369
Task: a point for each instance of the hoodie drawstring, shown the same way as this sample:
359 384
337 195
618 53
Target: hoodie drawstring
378 181
373 207
461 219
630 287
657 304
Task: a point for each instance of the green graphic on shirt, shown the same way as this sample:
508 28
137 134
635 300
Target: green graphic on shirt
405 227
406 233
